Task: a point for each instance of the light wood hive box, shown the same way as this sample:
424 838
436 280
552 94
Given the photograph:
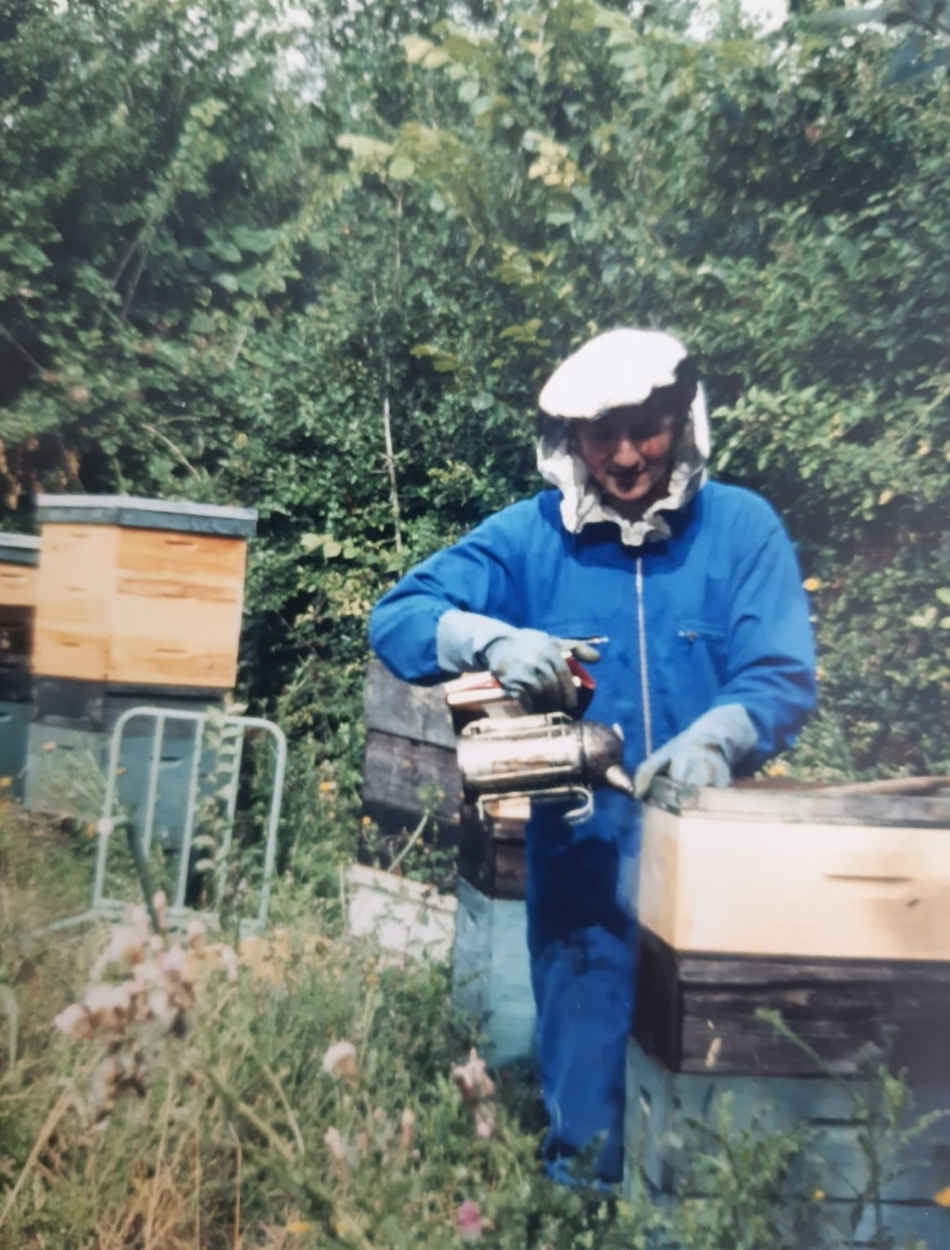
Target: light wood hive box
833 909
139 591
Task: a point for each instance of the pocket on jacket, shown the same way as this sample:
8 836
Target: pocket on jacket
702 648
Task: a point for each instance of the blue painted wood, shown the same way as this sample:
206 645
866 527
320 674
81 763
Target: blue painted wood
666 1113
160 514
14 732
909 1226
67 764
491 977
19 549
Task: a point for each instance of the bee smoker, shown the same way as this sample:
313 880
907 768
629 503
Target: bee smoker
547 757
544 757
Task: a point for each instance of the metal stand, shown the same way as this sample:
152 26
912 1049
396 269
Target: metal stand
227 774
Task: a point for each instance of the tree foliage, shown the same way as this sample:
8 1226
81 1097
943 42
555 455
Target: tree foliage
319 260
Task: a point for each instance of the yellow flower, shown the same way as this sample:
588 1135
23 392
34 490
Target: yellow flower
299 1226
811 584
5 783
819 1195
942 1199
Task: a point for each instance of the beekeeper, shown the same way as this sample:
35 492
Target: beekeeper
708 668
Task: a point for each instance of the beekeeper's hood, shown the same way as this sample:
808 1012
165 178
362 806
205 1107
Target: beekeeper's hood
615 369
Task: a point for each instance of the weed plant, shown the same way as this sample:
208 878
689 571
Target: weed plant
312 1092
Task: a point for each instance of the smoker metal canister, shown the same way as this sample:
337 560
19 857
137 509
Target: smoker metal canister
536 753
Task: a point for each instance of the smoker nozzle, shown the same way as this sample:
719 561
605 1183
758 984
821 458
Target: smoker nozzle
616 778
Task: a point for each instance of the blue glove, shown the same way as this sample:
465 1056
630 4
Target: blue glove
705 753
523 661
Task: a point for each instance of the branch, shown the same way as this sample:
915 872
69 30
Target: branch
173 448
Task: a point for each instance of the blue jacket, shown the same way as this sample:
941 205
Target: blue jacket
725 617
713 614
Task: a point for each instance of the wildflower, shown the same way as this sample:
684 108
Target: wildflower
174 964
473 1080
478 1092
811 584
942 1197
468 1220
75 1022
162 1009
340 1060
229 962
128 944
110 1006
407 1123
337 1148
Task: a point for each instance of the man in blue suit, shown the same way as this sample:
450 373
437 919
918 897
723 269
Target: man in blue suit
708 669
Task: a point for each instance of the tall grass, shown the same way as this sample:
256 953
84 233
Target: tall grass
240 1136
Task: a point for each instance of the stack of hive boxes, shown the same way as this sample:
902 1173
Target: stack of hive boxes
137 602
18 559
833 910
409 768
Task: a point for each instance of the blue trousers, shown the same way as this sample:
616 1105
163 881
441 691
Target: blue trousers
582 940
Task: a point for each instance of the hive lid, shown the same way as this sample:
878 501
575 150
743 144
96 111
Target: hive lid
803 803
19 549
158 514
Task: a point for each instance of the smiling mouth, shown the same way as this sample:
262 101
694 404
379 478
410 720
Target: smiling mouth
626 480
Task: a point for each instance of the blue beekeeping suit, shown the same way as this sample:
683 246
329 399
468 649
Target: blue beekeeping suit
701 602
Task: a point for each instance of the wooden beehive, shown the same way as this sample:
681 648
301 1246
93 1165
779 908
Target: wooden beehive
409 765
832 909
410 758
140 592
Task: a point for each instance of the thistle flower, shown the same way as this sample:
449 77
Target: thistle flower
468 1220
478 1092
340 1060
110 1007
74 1022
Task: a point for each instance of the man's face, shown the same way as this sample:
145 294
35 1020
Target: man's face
629 454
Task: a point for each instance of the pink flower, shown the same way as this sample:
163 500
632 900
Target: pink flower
473 1080
478 1092
468 1220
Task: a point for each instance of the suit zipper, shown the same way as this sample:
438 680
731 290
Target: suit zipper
644 670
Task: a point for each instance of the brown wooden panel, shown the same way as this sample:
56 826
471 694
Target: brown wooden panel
18 585
396 770
492 855
697 1013
396 707
175 642
167 565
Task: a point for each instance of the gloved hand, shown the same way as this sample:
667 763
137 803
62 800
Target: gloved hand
705 753
524 661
